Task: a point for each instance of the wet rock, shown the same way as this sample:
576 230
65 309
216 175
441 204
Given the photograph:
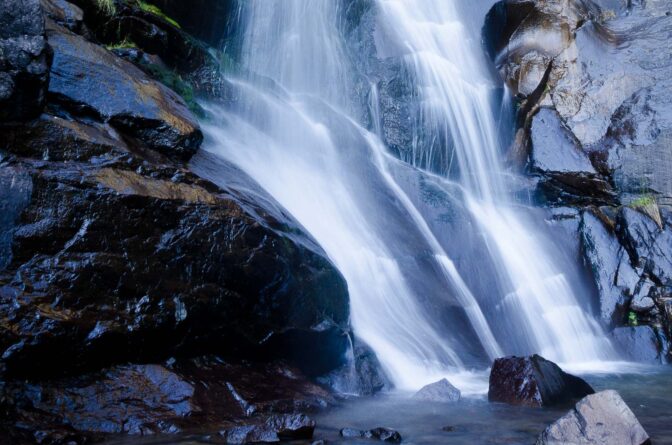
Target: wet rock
600 419
649 245
25 58
133 104
275 429
642 301
441 391
113 265
15 191
382 434
65 14
182 396
362 374
609 262
569 176
638 343
533 381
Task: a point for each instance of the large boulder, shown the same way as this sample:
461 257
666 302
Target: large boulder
25 58
441 391
598 419
380 433
533 381
126 261
89 80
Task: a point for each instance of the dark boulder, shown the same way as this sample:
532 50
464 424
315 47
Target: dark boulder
638 343
88 80
441 391
598 419
111 265
275 429
533 381
25 58
65 14
382 434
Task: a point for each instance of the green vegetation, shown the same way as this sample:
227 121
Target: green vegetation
175 82
153 9
632 319
125 44
643 201
106 6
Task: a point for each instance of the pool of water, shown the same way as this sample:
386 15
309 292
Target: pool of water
476 421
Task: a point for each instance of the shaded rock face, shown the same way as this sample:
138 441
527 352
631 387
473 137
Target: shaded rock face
441 391
25 58
382 434
592 89
598 419
639 344
186 396
89 80
533 381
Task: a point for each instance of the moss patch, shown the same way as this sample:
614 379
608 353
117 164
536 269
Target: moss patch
155 10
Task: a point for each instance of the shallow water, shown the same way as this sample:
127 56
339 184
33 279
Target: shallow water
475 421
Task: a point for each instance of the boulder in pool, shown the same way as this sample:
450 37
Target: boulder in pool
441 391
598 419
534 381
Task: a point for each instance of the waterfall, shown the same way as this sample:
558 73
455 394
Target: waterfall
293 127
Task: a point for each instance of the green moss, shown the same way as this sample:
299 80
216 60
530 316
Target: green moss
632 319
106 6
125 44
175 82
155 10
643 201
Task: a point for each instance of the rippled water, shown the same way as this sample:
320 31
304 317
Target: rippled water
476 421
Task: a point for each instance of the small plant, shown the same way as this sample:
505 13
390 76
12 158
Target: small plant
643 201
175 82
632 319
125 44
155 10
107 7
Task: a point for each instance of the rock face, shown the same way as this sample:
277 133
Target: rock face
382 434
639 343
441 391
598 419
125 276
25 58
594 125
533 381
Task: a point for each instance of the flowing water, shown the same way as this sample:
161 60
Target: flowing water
295 128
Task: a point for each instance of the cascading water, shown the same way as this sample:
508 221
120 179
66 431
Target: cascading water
292 128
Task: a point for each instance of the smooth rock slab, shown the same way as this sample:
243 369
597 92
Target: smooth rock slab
533 381
598 419
441 391
380 433
639 343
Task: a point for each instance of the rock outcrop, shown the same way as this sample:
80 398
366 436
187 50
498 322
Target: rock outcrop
593 128
441 391
533 381
124 275
598 419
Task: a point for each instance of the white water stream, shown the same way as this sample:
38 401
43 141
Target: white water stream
293 128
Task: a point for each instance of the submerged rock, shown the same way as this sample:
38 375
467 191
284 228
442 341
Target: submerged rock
598 419
441 391
382 434
533 381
